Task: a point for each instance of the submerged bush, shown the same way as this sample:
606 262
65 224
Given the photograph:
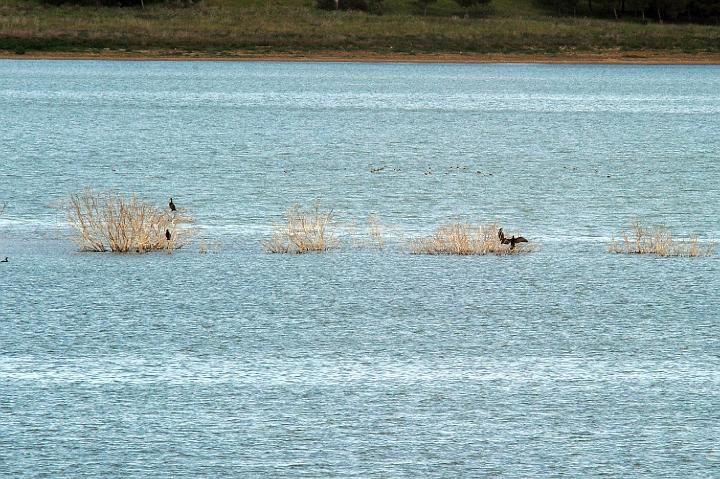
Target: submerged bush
374 233
465 239
370 235
107 221
658 240
304 231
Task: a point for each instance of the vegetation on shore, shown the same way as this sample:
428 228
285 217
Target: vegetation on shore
226 27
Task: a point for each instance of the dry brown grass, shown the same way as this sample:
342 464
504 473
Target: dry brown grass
213 247
658 240
465 239
304 231
368 236
375 232
108 221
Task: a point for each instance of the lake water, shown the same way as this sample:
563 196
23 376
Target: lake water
567 362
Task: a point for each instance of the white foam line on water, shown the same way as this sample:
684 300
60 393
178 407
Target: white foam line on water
390 231
33 222
185 370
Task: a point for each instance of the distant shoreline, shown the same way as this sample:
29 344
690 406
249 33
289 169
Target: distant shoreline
605 58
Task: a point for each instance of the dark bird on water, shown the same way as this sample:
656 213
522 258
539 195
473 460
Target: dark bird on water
167 234
5 260
172 205
512 241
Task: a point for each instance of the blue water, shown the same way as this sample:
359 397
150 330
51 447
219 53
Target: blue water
567 362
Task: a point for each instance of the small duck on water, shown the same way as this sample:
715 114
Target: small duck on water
5 260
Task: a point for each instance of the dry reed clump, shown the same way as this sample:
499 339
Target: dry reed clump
658 240
213 247
109 221
371 236
304 232
465 239
375 232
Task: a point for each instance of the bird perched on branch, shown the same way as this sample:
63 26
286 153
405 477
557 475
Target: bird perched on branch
512 241
172 205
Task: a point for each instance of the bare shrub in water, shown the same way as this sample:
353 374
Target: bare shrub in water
375 232
465 239
109 221
369 236
304 231
658 240
206 247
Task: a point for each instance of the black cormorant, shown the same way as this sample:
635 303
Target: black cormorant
172 205
512 241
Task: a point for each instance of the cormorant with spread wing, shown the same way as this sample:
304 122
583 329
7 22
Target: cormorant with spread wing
512 241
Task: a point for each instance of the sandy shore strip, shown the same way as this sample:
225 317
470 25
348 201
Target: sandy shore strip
607 57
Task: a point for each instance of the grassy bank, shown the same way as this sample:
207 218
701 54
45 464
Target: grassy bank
224 27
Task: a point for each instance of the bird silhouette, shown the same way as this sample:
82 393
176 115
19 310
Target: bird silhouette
514 240
511 241
5 260
172 205
167 234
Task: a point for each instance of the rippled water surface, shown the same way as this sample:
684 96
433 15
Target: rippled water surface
567 362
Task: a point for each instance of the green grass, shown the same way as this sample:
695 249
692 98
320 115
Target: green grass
224 26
